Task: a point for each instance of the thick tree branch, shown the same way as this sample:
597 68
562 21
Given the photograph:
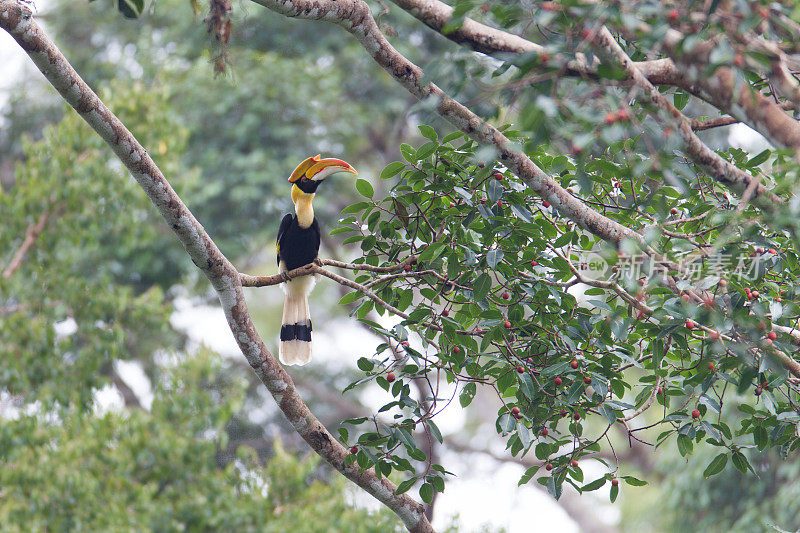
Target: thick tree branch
17 20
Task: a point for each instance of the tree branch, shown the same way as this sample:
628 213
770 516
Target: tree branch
17 20
31 234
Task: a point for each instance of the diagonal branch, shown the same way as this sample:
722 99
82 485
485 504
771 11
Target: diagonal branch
31 234
17 20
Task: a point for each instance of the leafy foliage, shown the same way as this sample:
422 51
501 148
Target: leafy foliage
489 301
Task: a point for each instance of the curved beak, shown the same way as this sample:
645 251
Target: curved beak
323 168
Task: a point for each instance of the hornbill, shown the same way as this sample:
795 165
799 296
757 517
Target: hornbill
298 245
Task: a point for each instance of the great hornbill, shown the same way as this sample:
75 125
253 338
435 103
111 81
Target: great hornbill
298 245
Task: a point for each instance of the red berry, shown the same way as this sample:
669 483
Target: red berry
548 466
714 335
778 299
660 390
673 15
445 312
761 326
563 412
498 176
501 204
515 410
574 364
521 369
545 203
758 391
673 211
771 335
549 6
768 342
773 251
557 381
587 380
585 34
711 366
534 263
689 323
722 283
354 450
623 115
611 117
686 298
574 463
576 416
759 250
456 349
506 296
545 57
695 414
544 432
755 294
615 482
641 282
390 377
407 268
738 60
507 324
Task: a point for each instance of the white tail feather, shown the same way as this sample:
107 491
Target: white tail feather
296 311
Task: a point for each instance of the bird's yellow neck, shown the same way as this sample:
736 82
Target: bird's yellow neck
302 206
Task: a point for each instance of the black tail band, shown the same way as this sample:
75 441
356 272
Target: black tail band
296 332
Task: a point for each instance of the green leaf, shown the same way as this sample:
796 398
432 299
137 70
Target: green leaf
426 492
434 430
740 462
493 257
614 493
467 394
392 169
481 286
350 297
760 158
365 188
428 132
630 480
760 437
680 98
716 465
405 485
594 485
130 8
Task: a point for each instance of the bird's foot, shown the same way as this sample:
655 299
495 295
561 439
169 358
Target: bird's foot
317 261
285 276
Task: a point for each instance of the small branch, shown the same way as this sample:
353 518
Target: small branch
410 260
31 234
646 404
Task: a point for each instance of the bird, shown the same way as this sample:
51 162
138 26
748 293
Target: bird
298 245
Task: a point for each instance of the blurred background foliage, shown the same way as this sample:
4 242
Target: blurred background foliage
102 281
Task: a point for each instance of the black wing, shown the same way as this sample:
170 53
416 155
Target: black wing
287 220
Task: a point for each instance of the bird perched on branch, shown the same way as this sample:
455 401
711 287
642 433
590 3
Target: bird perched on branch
298 245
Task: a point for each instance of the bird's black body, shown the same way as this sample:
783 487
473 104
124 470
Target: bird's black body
297 246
